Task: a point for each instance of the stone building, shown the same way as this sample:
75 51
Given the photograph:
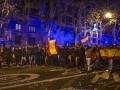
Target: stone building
31 21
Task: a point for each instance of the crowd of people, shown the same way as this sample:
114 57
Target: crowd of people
78 56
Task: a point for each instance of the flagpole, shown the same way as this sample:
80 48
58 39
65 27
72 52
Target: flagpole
49 34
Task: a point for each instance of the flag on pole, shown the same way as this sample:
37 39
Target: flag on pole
84 40
52 47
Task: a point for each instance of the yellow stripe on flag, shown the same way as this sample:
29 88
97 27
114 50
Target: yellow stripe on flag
84 39
52 47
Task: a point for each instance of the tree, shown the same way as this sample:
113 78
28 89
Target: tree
95 11
94 16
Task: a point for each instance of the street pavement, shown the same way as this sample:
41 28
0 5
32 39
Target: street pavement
57 78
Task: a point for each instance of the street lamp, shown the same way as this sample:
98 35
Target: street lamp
108 15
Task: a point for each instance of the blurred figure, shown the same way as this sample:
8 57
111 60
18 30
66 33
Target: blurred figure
97 58
13 55
18 55
30 56
66 54
33 56
77 58
0 61
89 53
23 58
37 55
8 55
82 57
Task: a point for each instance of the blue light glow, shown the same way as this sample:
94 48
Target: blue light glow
63 35
118 38
106 40
11 24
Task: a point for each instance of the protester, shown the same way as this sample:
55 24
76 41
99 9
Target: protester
8 55
23 58
88 58
18 56
0 61
67 56
82 57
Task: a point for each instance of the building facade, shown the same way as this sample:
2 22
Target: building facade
32 22
29 21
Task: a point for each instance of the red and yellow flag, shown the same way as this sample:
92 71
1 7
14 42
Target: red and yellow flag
85 39
52 47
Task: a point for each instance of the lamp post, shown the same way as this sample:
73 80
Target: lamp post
109 16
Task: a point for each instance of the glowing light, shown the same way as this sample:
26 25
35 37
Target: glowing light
108 15
95 27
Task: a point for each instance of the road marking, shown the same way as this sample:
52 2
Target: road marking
43 81
13 76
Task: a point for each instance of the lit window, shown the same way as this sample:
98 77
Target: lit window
1 25
32 28
18 27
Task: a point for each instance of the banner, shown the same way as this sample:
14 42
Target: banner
112 53
52 47
84 39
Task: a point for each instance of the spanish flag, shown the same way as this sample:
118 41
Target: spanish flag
52 47
84 40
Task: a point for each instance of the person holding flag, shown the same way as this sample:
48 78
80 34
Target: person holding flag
85 39
52 50
52 47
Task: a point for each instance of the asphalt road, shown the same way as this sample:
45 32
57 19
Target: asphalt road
56 78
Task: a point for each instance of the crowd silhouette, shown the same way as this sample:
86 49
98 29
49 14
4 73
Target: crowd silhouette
84 58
